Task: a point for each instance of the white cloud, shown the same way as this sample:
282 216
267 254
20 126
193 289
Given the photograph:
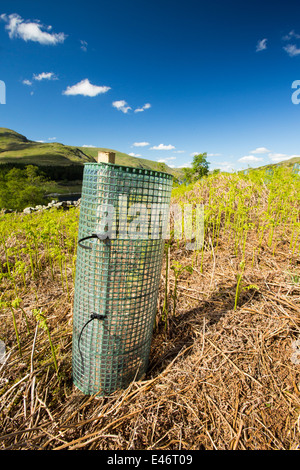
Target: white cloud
146 106
278 157
83 46
193 154
41 141
259 150
45 76
179 151
261 45
132 154
121 105
250 158
28 30
27 82
89 146
187 165
85 88
162 147
225 166
140 144
166 159
292 50
51 138
213 154
291 35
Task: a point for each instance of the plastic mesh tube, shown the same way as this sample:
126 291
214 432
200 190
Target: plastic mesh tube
117 276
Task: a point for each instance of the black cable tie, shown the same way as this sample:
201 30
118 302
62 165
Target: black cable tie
97 316
86 238
94 235
94 316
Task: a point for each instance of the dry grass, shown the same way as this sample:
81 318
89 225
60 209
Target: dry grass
218 378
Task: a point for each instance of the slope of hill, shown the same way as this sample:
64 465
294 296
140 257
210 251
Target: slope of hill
17 149
284 163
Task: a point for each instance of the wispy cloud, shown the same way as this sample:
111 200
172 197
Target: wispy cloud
28 30
140 144
278 157
51 138
291 35
83 45
186 165
213 154
162 147
89 146
250 159
121 105
165 160
27 82
45 76
85 88
261 45
260 150
225 166
132 154
292 50
140 110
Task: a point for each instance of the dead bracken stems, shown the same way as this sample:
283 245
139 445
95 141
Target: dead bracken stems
224 369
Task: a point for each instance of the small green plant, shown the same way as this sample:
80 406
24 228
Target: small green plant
42 322
239 277
295 277
16 303
178 270
12 306
165 305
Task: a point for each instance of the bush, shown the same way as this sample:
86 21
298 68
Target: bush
20 188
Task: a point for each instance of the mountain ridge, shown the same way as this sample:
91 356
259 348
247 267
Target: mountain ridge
15 148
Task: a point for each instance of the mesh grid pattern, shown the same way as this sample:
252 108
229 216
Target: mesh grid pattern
117 277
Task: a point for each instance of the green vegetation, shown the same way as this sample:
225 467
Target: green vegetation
200 168
221 356
62 164
20 188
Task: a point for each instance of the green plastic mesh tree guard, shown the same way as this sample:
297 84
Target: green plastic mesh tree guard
117 276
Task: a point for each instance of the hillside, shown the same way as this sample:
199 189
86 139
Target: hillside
285 164
17 149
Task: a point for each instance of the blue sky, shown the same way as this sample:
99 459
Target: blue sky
161 79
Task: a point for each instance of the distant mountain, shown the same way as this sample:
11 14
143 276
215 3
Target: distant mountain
16 148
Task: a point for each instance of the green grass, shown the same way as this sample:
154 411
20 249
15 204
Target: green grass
16 148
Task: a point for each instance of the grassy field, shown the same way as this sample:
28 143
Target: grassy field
224 369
